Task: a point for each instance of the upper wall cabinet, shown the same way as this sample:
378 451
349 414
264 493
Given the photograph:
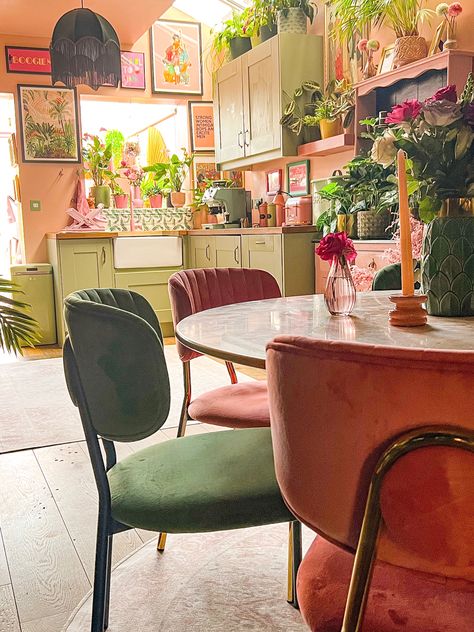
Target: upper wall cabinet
251 92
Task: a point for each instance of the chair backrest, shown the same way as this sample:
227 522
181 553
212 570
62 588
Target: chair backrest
114 363
388 278
193 291
336 407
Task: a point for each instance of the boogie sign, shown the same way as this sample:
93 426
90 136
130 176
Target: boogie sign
32 61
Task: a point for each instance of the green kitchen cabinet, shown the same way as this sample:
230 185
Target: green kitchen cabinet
263 252
214 251
227 249
152 283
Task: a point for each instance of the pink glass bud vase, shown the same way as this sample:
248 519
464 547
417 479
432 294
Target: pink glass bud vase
340 292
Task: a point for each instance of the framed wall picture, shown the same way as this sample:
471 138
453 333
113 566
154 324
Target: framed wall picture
176 57
201 125
28 61
297 177
204 168
437 42
274 181
236 177
133 69
386 59
341 60
49 124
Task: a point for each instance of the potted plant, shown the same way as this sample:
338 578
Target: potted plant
152 190
293 15
116 140
120 197
231 37
403 17
296 113
17 328
338 216
97 156
438 138
262 19
172 174
327 114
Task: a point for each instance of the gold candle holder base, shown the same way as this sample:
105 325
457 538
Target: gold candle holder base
408 311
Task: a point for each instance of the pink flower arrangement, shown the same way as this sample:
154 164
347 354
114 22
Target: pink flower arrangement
134 175
448 93
336 245
392 255
362 45
449 12
407 111
362 278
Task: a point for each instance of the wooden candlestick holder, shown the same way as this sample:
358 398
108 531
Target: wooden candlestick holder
408 311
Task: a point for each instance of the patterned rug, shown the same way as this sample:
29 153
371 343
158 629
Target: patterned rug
227 581
35 409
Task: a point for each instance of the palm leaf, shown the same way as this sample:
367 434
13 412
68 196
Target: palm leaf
17 327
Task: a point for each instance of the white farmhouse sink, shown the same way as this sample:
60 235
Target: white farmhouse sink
148 252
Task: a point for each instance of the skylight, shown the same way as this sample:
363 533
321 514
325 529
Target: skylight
210 12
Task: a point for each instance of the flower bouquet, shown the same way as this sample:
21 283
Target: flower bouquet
340 293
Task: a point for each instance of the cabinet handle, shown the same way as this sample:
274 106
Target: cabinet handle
259 243
104 256
372 265
238 140
245 138
236 255
207 252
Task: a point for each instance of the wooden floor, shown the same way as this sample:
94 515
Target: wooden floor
48 508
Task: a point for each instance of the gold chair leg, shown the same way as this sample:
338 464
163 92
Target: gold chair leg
294 560
367 545
231 371
160 546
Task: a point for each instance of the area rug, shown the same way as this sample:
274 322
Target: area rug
35 409
216 582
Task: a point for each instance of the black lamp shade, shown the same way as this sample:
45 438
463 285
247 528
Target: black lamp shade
85 49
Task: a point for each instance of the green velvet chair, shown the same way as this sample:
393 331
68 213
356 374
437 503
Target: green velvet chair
390 277
116 374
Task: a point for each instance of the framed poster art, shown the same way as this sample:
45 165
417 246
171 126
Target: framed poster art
386 59
133 70
204 168
28 61
49 124
274 182
297 177
341 60
201 125
176 57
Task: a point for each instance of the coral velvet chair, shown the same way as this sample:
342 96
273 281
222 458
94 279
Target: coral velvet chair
336 409
116 374
237 405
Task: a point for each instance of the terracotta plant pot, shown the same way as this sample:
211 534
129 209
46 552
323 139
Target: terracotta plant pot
200 216
409 49
156 200
101 195
121 200
292 20
330 127
238 46
178 198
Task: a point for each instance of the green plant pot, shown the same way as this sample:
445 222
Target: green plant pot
101 195
238 46
447 266
268 31
292 20
311 133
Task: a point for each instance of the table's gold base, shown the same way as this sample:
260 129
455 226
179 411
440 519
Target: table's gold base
408 311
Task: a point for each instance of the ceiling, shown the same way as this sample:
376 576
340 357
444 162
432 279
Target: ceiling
211 12
35 18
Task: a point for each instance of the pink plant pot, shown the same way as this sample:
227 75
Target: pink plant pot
121 201
178 198
156 201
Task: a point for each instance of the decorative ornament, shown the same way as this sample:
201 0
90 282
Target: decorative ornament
85 49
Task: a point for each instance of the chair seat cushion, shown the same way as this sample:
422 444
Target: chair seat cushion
208 482
399 599
242 405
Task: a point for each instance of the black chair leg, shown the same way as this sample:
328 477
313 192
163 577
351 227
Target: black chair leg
295 556
107 586
99 598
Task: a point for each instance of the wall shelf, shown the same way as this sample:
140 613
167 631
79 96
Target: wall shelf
333 145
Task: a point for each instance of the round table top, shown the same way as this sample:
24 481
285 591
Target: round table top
241 331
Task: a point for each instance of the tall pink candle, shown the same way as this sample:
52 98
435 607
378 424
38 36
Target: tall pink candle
408 277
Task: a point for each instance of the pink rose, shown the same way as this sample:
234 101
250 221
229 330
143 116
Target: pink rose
445 94
336 245
362 45
454 9
407 111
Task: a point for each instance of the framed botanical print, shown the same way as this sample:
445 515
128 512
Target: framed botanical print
274 183
204 168
342 60
235 177
297 177
49 124
176 57
201 126
133 69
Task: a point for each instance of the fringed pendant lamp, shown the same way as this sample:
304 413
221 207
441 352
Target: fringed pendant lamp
85 49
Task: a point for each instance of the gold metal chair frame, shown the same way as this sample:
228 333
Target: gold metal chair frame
366 549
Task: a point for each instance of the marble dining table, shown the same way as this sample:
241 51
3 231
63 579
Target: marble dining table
240 332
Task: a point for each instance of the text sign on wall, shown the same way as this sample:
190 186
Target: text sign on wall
32 61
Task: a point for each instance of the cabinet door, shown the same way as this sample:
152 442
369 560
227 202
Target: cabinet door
264 253
202 252
228 112
227 248
261 90
85 263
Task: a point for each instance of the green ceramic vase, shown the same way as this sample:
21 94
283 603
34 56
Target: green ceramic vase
101 195
448 266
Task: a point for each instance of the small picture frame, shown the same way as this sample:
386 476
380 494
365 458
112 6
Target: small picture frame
235 176
274 181
297 178
201 126
437 42
133 69
204 168
386 59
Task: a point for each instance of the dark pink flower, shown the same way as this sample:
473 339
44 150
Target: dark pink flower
446 94
336 245
406 111
454 9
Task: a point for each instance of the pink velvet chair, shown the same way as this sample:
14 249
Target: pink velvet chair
336 409
237 405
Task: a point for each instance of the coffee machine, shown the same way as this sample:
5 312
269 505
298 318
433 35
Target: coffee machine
229 204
